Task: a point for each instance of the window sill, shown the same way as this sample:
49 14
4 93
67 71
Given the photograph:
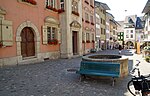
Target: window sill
87 21
75 13
31 3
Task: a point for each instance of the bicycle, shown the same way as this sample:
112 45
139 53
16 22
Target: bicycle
141 83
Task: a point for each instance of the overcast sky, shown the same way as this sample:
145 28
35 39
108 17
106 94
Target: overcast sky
118 7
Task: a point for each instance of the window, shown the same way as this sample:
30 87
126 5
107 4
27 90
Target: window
91 2
104 32
142 36
114 32
93 37
74 6
50 3
131 31
86 16
103 11
101 30
131 36
47 2
62 5
91 17
127 31
127 36
51 31
101 21
97 20
87 36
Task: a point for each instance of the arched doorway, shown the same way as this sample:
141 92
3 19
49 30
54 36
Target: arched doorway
130 44
27 42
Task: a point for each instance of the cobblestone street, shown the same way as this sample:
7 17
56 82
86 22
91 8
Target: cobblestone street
58 78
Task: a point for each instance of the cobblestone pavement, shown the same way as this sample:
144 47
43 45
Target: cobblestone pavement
58 78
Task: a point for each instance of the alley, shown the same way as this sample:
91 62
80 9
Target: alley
58 78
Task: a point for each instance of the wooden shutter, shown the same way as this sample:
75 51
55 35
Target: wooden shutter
6 33
44 31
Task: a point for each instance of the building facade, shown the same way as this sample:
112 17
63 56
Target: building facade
111 31
88 26
71 29
139 30
100 11
39 30
129 30
146 11
120 32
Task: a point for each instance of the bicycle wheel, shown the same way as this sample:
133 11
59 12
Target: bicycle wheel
146 93
130 87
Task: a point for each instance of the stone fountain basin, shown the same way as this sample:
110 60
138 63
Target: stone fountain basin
123 61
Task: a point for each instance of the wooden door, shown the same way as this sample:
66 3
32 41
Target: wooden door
74 42
27 43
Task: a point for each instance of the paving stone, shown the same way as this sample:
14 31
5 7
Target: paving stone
57 78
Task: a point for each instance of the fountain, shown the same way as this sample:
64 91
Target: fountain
123 61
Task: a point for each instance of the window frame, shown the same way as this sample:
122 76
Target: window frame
75 6
62 3
51 3
51 33
87 36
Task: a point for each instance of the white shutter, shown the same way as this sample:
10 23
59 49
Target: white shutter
44 33
6 33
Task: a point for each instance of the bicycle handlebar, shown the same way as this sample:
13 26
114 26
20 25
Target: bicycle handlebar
145 76
133 70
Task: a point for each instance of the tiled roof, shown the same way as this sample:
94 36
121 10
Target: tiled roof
139 24
130 19
104 5
146 8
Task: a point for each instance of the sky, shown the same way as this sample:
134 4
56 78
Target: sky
118 7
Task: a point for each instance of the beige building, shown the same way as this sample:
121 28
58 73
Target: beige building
146 11
100 11
71 29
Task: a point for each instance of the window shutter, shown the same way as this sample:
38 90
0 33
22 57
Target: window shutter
59 35
44 29
6 33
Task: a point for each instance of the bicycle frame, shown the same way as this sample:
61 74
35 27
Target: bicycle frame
140 83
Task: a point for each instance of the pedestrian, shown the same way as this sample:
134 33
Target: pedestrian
120 48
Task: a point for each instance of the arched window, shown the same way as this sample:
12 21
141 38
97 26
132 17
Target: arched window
75 6
62 4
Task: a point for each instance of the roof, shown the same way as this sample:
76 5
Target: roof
112 20
147 7
139 23
130 19
110 14
121 27
104 5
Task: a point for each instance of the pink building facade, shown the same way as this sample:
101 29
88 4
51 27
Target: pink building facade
88 28
30 31
37 30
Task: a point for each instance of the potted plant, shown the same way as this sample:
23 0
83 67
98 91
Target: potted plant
87 41
53 41
147 59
